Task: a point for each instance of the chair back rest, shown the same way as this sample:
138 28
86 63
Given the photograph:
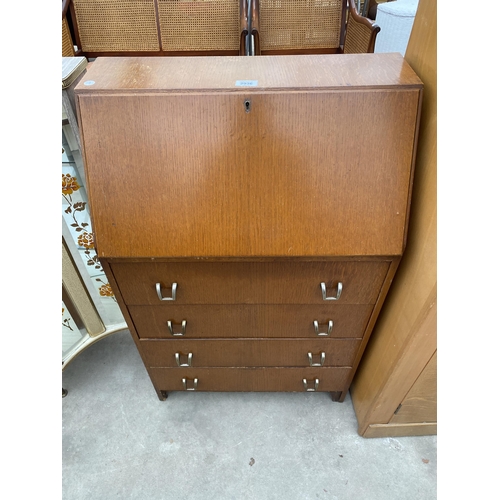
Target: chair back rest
116 25
301 24
121 26
360 34
199 25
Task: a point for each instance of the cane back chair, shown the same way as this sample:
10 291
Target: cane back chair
159 27
310 27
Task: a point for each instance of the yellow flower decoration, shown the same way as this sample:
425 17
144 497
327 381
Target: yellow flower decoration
105 291
86 240
69 184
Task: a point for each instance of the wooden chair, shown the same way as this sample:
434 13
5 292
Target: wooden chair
67 41
310 27
159 27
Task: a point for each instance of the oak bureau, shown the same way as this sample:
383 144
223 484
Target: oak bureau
250 212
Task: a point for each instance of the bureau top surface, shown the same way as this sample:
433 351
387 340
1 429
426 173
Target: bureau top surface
247 74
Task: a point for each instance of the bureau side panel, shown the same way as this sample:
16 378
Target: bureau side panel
296 174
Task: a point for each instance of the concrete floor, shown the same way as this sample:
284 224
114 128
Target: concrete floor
120 441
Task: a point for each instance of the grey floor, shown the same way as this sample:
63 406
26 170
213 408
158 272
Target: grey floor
120 441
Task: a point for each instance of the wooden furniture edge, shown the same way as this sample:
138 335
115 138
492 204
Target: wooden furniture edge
84 161
343 23
163 53
413 163
320 258
236 90
400 430
244 28
371 322
298 52
414 356
158 26
65 6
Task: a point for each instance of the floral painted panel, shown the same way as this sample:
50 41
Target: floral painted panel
77 217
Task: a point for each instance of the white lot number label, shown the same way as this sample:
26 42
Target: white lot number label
247 83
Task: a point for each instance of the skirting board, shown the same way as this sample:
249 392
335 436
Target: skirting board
400 430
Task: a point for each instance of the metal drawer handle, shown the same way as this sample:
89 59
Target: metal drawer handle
195 385
174 292
321 361
171 328
316 384
189 359
323 334
323 291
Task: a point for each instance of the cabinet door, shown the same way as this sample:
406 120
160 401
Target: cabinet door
420 404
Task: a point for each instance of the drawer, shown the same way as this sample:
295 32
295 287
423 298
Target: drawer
249 353
250 321
250 282
250 379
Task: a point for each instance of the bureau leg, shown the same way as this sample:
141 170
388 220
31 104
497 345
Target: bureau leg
336 396
162 395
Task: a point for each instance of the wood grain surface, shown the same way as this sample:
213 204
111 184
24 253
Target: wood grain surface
400 430
219 73
288 178
250 353
251 321
420 404
250 282
250 379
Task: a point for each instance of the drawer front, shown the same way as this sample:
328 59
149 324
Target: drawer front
251 321
250 379
250 353
250 282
